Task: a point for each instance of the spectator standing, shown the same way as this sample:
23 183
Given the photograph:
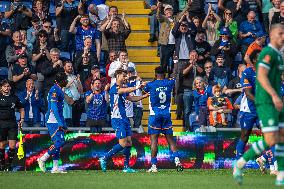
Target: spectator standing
112 56
207 68
266 6
210 24
76 89
66 12
248 31
230 23
202 47
21 73
33 31
50 70
134 81
87 51
86 31
188 72
19 15
114 36
41 54
154 26
97 100
39 12
278 17
32 102
5 33
95 74
121 63
201 94
225 46
273 10
220 74
53 38
166 38
45 4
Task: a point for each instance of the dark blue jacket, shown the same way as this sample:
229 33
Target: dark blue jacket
36 105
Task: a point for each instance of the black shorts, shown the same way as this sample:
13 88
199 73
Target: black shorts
8 133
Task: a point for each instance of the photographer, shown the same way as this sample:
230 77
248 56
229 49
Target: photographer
21 73
19 15
248 30
225 46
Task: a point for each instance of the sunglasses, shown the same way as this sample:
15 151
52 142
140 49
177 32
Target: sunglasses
208 67
47 26
228 13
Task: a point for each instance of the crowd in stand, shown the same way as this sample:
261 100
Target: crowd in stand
205 47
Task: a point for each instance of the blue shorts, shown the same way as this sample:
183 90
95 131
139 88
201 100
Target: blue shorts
248 120
55 134
160 124
122 127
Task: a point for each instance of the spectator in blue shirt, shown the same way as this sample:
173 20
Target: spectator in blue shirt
201 94
248 30
32 102
86 31
97 106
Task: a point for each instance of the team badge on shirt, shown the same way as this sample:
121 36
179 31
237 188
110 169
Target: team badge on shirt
267 59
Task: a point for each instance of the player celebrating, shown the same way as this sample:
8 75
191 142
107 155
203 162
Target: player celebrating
55 123
248 116
160 118
119 121
269 105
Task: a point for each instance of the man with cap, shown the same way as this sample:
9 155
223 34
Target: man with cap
21 73
166 38
95 74
256 45
86 31
225 46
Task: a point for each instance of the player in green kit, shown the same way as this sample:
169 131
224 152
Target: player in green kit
269 105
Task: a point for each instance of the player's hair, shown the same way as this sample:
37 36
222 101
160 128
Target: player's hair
59 77
160 70
274 27
119 71
4 82
216 88
93 81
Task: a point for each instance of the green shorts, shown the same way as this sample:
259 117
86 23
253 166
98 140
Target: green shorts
270 119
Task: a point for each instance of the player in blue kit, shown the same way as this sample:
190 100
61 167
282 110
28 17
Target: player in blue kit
119 121
160 91
55 123
248 115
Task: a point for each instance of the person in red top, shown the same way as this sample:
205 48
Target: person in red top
95 74
256 45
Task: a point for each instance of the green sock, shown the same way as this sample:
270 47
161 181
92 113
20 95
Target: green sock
279 154
256 149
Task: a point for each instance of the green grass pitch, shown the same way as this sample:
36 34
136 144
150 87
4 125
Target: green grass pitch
189 179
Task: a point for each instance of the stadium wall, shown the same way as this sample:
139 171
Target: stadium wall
82 151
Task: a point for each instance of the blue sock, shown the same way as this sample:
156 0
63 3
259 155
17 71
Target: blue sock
273 153
126 153
240 149
175 154
113 151
154 160
265 156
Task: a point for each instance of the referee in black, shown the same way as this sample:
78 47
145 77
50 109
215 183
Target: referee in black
8 123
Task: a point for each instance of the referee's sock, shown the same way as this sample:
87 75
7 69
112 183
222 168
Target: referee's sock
2 159
11 154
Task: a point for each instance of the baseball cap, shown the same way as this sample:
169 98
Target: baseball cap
130 69
224 31
168 7
95 67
